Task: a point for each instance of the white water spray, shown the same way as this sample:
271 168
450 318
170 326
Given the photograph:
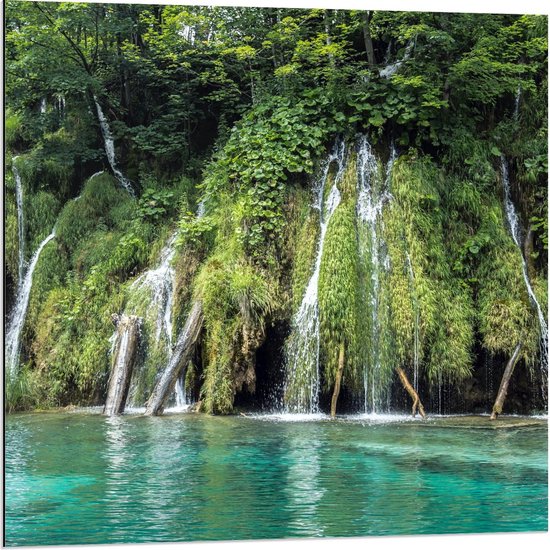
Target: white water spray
389 70
370 203
303 378
13 334
20 222
516 103
110 149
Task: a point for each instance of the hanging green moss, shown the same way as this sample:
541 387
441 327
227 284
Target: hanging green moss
303 241
438 336
339 296
236 299
504 311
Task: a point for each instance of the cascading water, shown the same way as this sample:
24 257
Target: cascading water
516 103
389 70
20 222
513 222
159 282
17 320
370 202
302 357
110 149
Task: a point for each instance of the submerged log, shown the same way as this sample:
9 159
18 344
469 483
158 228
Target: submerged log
338 381
124 357
417 404
179 359
503 390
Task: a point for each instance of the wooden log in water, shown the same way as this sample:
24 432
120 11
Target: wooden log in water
179 359
503 390
338 381
124 357
417 404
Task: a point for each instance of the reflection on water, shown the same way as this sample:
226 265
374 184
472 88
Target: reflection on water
303 481
85 478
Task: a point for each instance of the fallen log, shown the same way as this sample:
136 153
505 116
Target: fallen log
503 389
179 359
124 357
417 404
338 381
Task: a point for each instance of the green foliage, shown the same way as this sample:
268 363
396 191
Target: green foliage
422 279
304 227
21 391
11 235
235 296
195 231
505 313
266 90
339 295
275 139
99 207
12 129
155 204
40 215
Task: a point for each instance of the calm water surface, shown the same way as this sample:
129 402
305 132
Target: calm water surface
82 478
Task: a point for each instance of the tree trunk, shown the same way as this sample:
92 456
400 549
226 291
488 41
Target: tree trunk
338 381
179 359
417 404
124 357
368 39
503 390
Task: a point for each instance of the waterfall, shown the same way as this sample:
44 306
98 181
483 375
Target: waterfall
20 221
17 319
160 281
96 174
389 70
110 149
513 222
302 358
516 102
42 105
61 104
188 33
370 202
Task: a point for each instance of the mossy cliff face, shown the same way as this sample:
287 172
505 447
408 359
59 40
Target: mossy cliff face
224 143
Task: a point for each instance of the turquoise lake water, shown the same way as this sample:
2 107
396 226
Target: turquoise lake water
82 478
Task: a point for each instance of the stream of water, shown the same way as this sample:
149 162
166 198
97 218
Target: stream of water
110 149
302 359
20 222
373 195
17 319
